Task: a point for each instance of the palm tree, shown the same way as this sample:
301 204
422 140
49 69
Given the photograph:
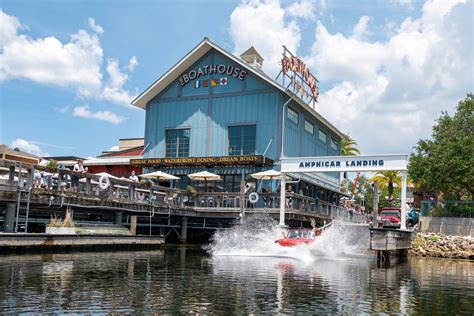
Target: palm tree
348 147
388 178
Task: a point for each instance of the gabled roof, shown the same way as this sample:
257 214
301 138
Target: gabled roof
251 51
195 55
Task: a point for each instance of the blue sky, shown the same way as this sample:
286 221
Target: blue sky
69 69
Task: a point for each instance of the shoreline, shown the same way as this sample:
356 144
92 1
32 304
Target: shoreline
442 246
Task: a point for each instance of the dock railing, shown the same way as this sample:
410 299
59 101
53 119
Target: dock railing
128 192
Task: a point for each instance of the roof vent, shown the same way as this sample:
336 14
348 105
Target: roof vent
253 58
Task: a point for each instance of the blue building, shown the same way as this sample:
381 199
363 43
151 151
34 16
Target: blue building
218 112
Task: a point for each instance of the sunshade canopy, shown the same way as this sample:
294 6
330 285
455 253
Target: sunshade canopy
204 176
267 175
160 175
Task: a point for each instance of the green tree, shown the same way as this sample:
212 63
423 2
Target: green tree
444 163
348 147
388 179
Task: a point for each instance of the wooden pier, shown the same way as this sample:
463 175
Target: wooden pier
148 210
390 242
31 242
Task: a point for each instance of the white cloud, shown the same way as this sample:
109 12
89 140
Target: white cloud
303 9
114 148
113 90
76 64
360 29
132 63
95 27
388 94
83 111
47 60
262 24
28 147
63 109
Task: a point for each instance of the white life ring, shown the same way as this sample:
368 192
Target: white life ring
253 197
104 182
140 195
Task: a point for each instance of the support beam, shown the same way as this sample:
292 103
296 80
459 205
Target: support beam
118 218
9 224
133 224
403 223
184 229
282 199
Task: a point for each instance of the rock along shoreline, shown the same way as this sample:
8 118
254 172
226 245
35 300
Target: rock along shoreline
442 246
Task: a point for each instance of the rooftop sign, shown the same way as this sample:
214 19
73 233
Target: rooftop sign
212 69
345 163
302 82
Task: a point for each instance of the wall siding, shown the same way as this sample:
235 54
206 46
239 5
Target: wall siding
208 112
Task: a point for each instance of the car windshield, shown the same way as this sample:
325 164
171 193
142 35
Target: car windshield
300 233
390 213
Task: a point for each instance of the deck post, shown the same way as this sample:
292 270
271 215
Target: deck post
403 202
184 230
133 224
9 217
118 218
242 200
282 198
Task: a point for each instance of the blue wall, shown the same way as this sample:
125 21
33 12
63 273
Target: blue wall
209 111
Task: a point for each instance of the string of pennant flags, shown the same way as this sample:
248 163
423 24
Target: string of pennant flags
214 82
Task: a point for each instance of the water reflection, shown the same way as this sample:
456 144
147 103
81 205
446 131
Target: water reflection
184 280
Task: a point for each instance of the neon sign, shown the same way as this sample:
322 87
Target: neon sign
302 82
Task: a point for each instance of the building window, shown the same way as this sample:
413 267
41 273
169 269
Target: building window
177 143
242 140
309 127
293 115
333 144
322 136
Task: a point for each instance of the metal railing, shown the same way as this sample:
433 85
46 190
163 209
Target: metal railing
449 208
128 192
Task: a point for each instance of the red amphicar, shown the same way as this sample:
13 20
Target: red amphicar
298 236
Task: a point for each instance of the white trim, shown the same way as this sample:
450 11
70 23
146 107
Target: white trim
107 161
193 56
361 163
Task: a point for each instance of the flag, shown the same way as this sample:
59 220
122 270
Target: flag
197 84
356 181
205 83
214 82
223 81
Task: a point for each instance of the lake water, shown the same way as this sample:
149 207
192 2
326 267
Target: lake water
241 272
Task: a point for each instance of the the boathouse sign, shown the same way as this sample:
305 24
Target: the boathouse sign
345 163
212 69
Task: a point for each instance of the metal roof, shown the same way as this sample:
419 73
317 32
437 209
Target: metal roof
193 56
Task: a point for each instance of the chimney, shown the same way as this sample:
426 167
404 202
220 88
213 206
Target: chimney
253 58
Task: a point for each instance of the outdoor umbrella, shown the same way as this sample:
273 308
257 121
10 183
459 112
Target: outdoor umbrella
159 175
266 175
204 176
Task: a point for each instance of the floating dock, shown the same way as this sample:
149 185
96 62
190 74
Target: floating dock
31 242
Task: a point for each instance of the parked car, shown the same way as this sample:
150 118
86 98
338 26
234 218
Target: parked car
413 217
390 217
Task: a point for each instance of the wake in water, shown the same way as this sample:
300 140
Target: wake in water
256 237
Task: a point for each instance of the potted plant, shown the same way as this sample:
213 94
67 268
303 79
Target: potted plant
59 227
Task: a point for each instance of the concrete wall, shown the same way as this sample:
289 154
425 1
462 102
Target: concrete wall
458 226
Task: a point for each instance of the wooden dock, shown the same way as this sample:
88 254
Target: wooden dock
31 242
390 242
152 209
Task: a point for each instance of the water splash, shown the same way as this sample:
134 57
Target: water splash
256 236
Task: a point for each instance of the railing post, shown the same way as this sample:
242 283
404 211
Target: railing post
282 198
88 185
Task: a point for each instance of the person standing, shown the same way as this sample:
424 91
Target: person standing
133 177
78 167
